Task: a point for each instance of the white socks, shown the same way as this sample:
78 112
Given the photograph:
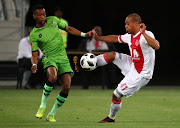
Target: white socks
115 107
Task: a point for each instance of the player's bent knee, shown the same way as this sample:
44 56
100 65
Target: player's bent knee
117 94
65 88
111 56
52 78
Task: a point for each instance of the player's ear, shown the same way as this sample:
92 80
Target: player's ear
34 16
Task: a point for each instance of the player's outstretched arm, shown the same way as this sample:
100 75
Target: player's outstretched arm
151 41
107 39
76 32
34 61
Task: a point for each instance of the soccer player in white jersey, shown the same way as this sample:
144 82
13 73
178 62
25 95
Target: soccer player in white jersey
137 68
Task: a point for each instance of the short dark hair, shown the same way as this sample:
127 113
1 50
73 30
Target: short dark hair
37 6
135 17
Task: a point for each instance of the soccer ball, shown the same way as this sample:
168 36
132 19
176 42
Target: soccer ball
88 62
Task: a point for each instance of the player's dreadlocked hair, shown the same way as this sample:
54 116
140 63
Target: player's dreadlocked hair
135 17
37 6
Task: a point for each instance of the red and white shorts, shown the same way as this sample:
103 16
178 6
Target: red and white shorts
132 81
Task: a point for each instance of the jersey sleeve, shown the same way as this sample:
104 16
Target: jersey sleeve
149 33
123 38
60 24
33 42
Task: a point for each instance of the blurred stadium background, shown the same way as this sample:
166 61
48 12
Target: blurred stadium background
16 18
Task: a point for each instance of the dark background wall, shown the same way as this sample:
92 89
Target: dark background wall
160 17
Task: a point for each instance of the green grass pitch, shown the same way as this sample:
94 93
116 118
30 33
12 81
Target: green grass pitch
149 108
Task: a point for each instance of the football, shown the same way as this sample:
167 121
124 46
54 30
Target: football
88 62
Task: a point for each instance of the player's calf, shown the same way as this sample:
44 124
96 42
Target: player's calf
66 83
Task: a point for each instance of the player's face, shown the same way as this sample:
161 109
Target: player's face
98 31
130 26
40 16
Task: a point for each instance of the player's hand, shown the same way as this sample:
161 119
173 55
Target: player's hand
95 36
142 28
88 34
34 68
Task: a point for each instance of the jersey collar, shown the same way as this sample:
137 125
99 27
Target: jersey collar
42 27
136 34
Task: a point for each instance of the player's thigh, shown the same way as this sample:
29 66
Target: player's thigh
123 62
50 67
130 85
52 74
65 68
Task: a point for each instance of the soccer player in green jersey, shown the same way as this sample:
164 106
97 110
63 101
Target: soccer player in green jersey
46 36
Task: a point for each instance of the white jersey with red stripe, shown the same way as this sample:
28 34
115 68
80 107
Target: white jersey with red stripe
143 55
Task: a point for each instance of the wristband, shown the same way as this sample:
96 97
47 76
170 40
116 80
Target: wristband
83 34
34 65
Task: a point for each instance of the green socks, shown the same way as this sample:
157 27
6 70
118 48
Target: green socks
46 92
61 98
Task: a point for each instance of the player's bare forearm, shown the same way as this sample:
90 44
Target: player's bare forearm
34 61
151 41
76 32
108 39
72 31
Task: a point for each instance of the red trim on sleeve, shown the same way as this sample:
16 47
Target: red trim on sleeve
116 102
121 39
105 57
31 45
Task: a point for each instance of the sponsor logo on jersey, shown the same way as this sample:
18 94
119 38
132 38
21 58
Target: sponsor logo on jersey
40 35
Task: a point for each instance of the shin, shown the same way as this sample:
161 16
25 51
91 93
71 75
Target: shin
115 106
105 58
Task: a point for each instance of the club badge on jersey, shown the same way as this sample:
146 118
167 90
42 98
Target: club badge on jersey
53 24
